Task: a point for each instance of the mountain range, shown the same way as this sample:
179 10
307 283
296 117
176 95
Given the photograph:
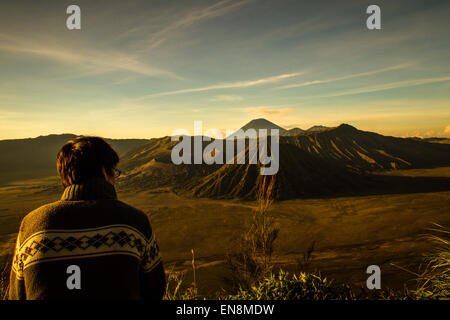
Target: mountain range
319 162
316 162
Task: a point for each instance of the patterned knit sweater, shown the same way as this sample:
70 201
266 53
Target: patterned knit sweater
110 242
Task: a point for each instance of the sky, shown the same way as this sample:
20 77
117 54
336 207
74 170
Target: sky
142 69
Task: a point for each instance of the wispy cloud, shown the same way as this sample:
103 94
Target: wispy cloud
388 86
190 18
227 85
268 111
349 76
227 98
96 62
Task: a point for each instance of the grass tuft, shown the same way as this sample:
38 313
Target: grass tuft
434 282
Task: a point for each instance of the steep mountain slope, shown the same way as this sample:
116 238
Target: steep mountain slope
158 149
300 174
362 150
150 166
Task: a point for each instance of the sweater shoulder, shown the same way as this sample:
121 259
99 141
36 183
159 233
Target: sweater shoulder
33 221
60 205
130 209
83 215
41 212
138 215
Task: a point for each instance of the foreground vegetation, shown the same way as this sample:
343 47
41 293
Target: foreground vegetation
432 284
255 279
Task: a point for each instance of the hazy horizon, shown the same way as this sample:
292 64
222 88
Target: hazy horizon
141 69
191 132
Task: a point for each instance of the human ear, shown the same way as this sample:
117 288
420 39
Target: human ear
107 177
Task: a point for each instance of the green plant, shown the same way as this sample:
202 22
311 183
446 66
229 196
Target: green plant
253 260
434 282
302 286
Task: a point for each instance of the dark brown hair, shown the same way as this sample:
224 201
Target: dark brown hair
83 158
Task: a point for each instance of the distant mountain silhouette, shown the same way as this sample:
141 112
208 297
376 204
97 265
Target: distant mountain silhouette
266 124
36 157
294 132
262 124
317 128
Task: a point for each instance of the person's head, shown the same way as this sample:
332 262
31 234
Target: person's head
84 158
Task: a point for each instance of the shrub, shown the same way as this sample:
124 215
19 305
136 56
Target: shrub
304 286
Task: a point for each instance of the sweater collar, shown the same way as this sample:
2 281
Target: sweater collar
92 189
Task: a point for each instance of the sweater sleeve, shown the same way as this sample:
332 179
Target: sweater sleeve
153 281
16 279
